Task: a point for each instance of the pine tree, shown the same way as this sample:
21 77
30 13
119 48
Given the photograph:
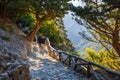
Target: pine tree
102 18
42 10
46 10
66 43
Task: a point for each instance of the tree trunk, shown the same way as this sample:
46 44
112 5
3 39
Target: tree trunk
4 9
117 49
115 40
116 46
30 37
4 12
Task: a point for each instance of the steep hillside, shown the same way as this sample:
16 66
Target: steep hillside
84 44
14 49
73 29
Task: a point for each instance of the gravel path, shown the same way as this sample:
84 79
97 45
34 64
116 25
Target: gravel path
43 67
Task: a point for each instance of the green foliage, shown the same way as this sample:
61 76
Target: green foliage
28 21
13 8
42 9
102 19
5 38
104 58
52 31
38 12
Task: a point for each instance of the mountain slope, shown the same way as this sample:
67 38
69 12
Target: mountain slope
73 29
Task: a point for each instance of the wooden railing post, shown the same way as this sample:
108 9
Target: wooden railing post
75 66
77 61
60 56
88 70
69 60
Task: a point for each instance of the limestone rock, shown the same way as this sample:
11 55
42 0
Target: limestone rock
14 49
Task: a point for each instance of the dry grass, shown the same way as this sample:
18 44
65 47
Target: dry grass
7 25
5 38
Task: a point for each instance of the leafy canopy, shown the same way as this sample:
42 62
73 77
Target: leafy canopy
102 19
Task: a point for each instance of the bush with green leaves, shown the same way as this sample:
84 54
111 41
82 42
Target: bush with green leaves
104 58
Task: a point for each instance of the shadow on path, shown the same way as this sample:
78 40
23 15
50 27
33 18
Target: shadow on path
43 67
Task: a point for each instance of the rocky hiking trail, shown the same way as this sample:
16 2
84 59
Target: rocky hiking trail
44 67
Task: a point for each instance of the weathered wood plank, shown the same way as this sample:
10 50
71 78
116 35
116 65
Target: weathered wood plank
106 69
81 64
93 72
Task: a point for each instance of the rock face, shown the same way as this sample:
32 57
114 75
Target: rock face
14 49
13 40
11 68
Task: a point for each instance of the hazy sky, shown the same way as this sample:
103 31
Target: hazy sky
77 3
72 26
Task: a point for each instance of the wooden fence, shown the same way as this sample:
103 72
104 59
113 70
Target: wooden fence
75 61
